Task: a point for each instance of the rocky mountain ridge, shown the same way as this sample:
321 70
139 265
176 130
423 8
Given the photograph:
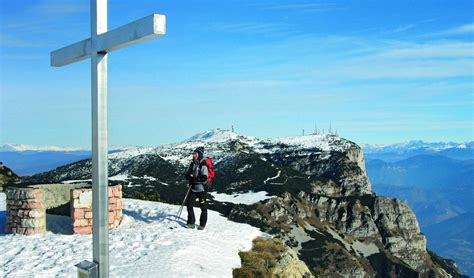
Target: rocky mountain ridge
321 200
7 177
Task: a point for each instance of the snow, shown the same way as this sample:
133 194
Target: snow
362 248
120 177
76 181
21 148
132 152
247 198
324 142
246 167
300 236
412 145
272 178
143 246
214 135
365 249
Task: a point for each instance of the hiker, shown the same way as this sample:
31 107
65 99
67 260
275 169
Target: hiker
197 175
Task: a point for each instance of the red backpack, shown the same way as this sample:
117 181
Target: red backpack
210 170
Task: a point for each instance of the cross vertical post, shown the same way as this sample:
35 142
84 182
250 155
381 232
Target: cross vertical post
100 204
97 48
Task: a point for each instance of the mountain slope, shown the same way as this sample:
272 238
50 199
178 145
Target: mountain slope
320 202
144 245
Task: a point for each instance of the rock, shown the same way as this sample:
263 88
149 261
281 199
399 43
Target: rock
36 213
289 265
33 222
400 232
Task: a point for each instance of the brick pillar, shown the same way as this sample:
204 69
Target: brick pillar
81 209
26 214
115 206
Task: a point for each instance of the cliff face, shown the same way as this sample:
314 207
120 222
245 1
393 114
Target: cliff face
365 236
380 220
321 201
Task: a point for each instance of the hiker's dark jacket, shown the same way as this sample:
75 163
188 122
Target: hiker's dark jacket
200 173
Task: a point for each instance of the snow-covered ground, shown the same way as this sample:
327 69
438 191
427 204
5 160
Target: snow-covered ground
247 198
143 246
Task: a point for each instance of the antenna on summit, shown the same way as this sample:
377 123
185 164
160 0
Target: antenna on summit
232 128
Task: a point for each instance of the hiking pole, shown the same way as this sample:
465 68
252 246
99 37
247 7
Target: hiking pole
182 205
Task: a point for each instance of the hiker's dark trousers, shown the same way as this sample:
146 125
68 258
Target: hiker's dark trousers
202 204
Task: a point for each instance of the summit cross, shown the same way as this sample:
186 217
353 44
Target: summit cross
97 48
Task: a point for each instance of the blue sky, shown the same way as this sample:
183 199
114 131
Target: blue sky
379 71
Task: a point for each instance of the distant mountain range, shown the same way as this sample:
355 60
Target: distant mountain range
395 152
423 171
21 148
28 160
437 181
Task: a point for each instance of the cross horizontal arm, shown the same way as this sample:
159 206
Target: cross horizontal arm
71 53
143 29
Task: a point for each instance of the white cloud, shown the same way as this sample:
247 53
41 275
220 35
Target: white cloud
396 125
302 7
403 28
7 40
243 84
459 30
450 49
403 60
251 28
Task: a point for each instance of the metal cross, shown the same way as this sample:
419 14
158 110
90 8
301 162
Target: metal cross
96 47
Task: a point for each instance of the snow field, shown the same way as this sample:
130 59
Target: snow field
148 243
247 198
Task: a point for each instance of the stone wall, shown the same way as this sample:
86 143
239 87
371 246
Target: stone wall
26 207
81 209
25 212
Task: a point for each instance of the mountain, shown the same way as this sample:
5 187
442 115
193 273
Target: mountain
440 190
29 160
400 151
21 148
311 191
423 171
32 162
